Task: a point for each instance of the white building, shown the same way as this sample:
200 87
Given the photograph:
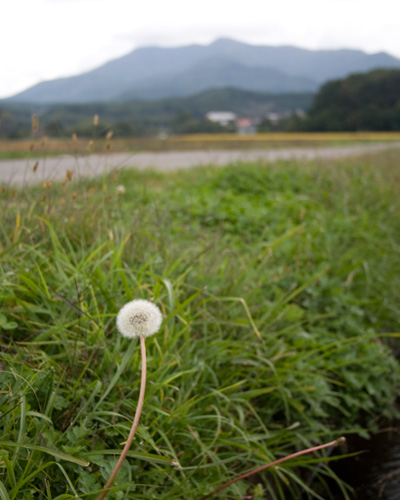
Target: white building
224 118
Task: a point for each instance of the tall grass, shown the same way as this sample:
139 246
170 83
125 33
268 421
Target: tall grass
280 289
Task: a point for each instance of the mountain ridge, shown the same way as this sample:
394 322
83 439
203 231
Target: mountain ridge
161 72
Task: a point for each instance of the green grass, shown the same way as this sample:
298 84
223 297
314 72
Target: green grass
21 155
280 290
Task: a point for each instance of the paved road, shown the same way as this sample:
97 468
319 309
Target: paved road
20 172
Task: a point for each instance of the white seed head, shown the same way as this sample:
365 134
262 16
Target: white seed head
121 189
139 318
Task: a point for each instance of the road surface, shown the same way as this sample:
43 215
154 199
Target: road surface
23 172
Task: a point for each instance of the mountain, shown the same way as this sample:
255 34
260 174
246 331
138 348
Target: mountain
218 73
153 72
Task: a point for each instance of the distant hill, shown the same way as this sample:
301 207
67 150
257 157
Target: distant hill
141 117
218 73
153 72
365 101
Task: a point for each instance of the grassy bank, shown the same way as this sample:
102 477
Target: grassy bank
280 289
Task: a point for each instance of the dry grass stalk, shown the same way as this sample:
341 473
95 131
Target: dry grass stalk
35 123
272 464
68 177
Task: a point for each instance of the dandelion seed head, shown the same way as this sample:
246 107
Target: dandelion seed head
139 318
121 189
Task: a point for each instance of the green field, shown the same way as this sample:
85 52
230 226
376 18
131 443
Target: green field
280 289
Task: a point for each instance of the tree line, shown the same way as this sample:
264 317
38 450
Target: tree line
361 102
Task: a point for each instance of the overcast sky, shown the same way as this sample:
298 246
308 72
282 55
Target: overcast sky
46 39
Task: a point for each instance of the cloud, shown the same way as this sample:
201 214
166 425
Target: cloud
64 37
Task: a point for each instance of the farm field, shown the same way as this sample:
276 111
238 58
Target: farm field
36 147
279 286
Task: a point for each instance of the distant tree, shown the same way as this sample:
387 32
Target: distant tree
365 101
124 129
54 129
291 123
186 123
267 125
7 123
13 125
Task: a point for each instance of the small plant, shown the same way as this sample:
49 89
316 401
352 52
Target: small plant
5 324
137 319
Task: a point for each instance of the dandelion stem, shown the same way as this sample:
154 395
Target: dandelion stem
134 425
263 467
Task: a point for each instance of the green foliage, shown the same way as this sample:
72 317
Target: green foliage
143 117
7 325
280 291
186 123
54 129
365 101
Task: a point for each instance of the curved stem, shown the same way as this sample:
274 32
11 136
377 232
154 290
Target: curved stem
134 425
263 467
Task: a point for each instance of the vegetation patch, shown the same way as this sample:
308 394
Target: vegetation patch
279 288
364 101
